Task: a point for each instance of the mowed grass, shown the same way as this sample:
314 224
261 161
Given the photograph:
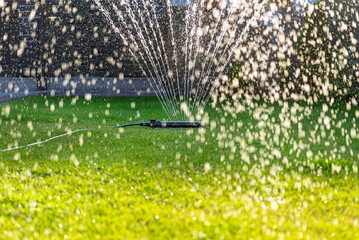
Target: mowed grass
286 170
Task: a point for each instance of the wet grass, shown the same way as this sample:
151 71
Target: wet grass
259 170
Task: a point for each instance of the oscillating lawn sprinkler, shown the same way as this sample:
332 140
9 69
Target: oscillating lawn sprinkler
153 123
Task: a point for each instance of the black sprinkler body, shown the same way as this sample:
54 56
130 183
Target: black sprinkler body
175 124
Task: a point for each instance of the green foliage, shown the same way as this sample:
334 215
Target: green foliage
314 51
239 80
347 81
325 66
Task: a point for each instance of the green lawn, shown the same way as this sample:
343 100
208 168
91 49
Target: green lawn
258 170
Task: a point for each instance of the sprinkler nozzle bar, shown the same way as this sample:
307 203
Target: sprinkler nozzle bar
153 123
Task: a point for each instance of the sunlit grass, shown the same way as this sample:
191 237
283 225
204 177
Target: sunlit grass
271 171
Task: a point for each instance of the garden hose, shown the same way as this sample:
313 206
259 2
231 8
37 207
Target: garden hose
152 124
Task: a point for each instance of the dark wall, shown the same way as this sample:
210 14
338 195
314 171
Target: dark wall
57 38
19 48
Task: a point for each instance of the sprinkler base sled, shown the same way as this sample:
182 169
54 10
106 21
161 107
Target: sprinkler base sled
173 124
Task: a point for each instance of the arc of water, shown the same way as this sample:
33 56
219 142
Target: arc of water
187 18
205 88
115 28
164 101
160 73
165 56
164 72
206 56
236 46
197 45
222 34
190 62
169 11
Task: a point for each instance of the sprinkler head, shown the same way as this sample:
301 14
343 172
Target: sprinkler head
153 123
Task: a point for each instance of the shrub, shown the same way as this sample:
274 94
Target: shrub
325 58
239 80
